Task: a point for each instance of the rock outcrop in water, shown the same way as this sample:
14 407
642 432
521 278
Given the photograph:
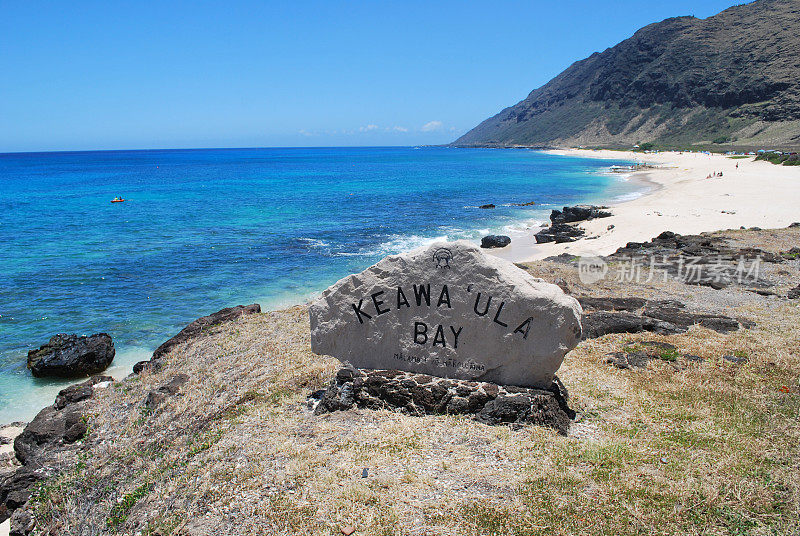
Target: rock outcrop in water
70 356
578 213
559 233
560 229
495 241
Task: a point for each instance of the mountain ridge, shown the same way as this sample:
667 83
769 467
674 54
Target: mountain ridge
727 80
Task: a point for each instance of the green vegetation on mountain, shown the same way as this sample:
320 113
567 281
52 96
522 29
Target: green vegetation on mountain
781 158
730 80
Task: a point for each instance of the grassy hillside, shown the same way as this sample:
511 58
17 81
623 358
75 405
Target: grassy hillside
676 447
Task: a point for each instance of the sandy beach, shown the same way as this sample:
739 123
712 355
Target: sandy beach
681 199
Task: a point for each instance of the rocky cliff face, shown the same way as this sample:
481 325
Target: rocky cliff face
728 79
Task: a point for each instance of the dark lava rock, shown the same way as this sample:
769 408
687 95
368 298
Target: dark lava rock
795 224
156 397
720 324
578 213
70 356
604 315
675 313
699 260
716 284
628 360
564 258
47 444
57 425
488 205
602 323
612 303
495 241
151 365
559 233
22 523
196 329
794 293
420 394
15 490
761 292
637 354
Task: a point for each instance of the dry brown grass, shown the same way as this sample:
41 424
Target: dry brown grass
710 449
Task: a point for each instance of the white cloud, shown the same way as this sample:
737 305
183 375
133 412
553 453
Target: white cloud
368 128
399 129
432 126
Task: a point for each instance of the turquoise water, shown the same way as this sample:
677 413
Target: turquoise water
206 229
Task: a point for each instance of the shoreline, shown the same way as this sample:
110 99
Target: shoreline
660 207
681 199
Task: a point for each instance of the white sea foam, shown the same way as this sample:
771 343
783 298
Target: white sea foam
521 227
630 196
400 243
313 242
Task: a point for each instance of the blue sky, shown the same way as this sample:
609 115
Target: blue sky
116 74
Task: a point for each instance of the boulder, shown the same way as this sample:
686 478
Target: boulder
794 293
495 241
70 356
421 394
22 522
559 233
448 310
15 490
48 443
156 397
578 213
57 425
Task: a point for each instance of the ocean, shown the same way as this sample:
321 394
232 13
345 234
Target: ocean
205 229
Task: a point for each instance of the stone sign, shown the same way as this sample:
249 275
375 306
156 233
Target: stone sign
448 310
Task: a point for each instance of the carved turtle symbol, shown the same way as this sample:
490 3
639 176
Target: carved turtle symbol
442 257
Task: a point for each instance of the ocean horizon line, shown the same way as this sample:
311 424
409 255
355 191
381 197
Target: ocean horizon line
277 147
